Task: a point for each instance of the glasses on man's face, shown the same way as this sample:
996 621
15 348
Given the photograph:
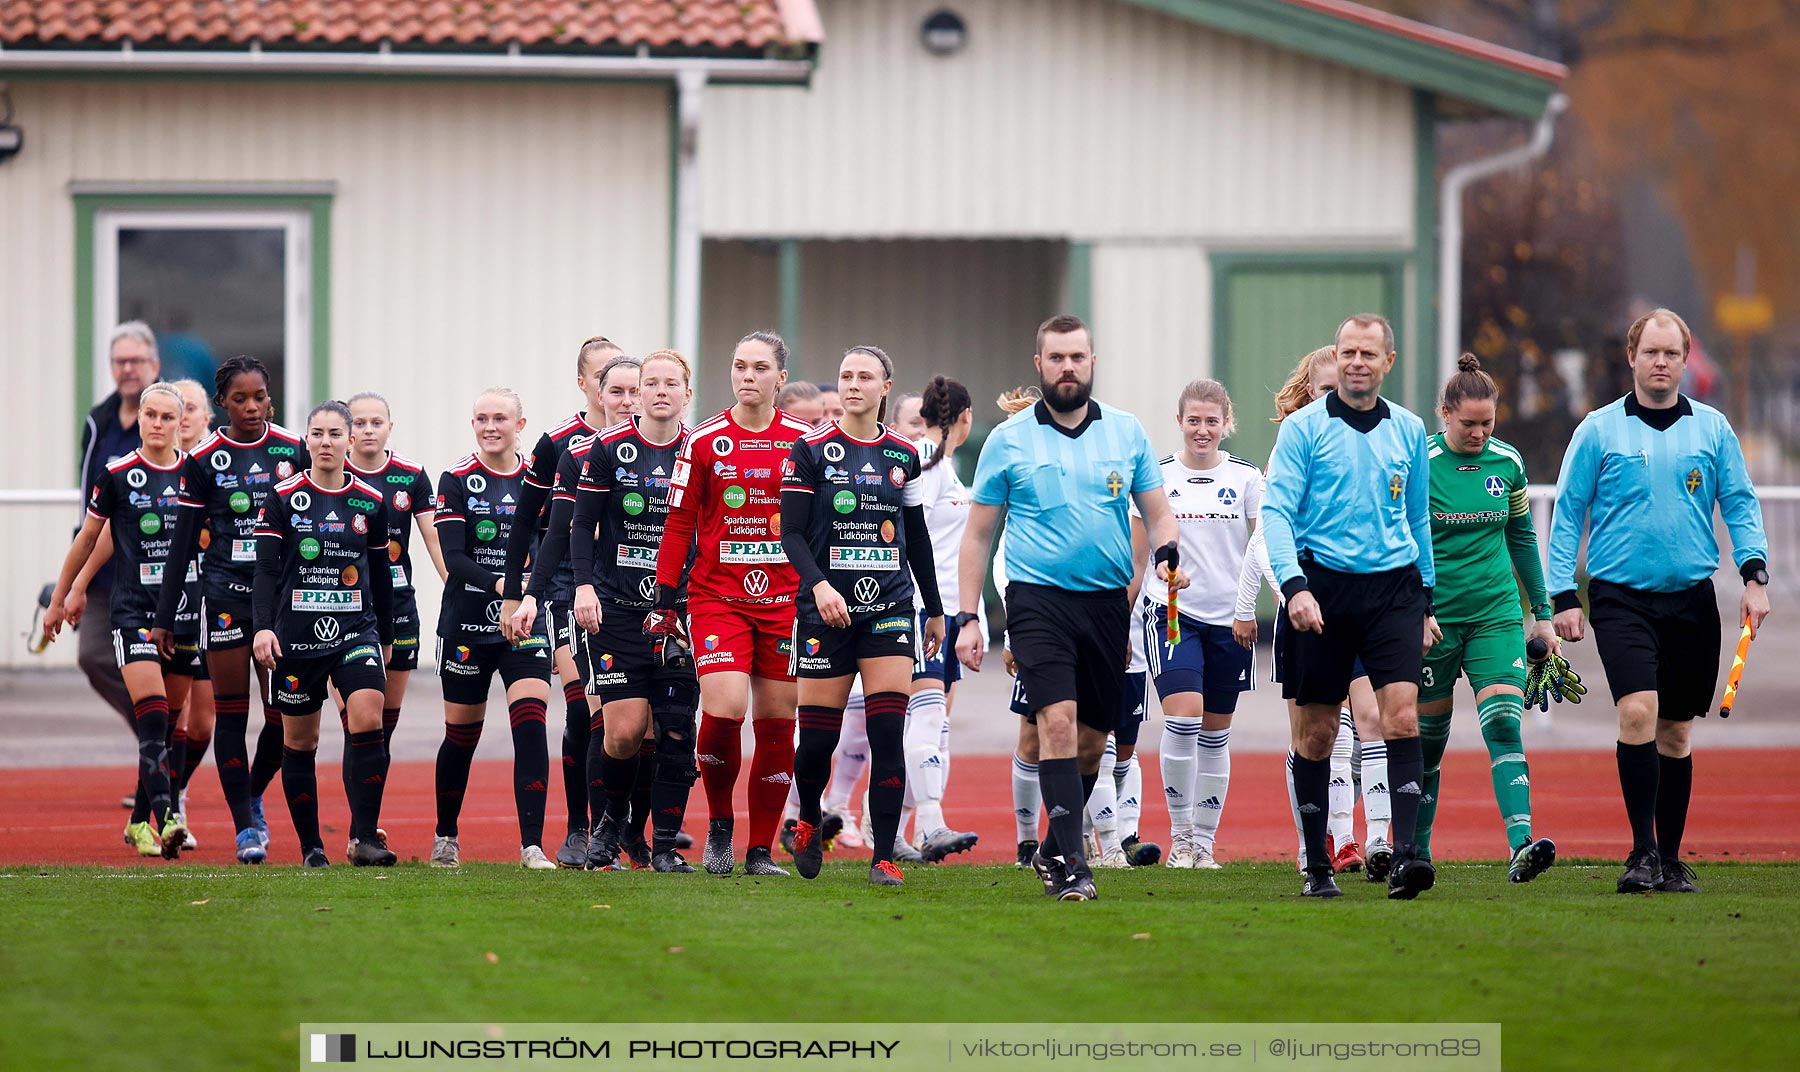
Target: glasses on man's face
130 362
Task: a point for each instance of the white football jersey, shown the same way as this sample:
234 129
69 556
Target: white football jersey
947 504
1213 509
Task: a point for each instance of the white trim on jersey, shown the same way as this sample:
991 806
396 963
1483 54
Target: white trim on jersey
1213 508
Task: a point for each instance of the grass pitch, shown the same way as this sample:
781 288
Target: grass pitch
140 968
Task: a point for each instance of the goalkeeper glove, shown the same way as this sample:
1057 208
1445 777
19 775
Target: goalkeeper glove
1552 678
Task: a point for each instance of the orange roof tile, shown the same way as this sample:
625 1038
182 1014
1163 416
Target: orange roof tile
539 25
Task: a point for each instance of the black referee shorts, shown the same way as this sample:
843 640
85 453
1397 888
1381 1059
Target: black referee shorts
1378 618
1662 642
1071 646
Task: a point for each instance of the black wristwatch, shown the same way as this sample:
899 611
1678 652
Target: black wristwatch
961 620
1761 577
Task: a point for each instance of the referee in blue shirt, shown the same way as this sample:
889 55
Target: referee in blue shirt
1642 475
1345 513
1066 471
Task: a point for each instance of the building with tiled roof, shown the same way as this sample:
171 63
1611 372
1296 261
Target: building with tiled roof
425 197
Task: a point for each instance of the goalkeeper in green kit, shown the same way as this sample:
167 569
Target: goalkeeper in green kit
1481 533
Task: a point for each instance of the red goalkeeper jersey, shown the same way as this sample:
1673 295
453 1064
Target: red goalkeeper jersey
727 488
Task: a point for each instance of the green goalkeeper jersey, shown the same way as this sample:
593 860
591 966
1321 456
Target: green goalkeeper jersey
1480 533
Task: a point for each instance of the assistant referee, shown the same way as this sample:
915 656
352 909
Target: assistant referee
1345 511
1066 471
1642 474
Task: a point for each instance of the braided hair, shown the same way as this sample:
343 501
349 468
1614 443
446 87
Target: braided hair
943 404
232 368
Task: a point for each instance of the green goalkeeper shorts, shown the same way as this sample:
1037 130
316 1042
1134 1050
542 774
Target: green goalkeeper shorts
1490 653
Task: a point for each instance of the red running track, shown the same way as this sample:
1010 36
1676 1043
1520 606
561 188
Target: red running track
1742 800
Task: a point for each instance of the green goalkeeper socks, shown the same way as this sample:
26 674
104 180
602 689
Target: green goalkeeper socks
1500 717
1434 737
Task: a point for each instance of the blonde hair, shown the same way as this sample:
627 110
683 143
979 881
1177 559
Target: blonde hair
164 387
687 373
507 393
1637 330
1297 391
1204 390
1018 398
599 344
205 399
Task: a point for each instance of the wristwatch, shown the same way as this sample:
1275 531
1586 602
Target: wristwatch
963 619
1761 577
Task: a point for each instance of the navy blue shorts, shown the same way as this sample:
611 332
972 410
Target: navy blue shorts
1132 711
946 669
1208 661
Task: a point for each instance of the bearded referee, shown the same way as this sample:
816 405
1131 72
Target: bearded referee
1345 512
1642 475
1066 471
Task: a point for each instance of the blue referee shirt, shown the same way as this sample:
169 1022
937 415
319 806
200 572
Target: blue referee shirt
1067 494
1352 488
1644 482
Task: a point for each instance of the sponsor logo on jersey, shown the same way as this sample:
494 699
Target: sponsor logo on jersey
1468 468
712 641
1496 486
735 497
844 501
722 445
493 612
725 470
223 621
751 552
1199 479
627 452
137 499
395 550
887 531
889 625
362 651
220 460
150 524
326 600
787 468
836 475
834 452
309 549
280 450
475 482
647 587
1481 518
486 530
327 629
758 474
775 524
359 504
300 502
636 557
785 645
756 582
882 559
1114 484
866 590
757 444
349 576
136 478
869 478
532 642
812 646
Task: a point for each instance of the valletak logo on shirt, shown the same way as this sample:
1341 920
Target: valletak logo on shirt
462 653
812 645
224 621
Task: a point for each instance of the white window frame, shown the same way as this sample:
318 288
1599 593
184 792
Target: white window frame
295 223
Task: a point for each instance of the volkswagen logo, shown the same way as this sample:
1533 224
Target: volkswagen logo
647 588
867 590
493 612
628 452
326 629
300 501
476 483
756 583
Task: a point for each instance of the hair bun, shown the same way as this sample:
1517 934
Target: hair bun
1468 363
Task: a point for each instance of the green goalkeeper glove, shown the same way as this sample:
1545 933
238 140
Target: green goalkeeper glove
1553 678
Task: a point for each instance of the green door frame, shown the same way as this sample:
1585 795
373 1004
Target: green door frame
1392 264
89 205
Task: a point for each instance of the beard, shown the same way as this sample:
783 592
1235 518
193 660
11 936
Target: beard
1066 397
